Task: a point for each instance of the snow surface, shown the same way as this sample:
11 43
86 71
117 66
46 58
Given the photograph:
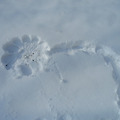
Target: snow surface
70 72
67 95
26 55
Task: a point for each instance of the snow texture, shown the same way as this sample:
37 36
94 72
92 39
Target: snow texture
29 55
25 55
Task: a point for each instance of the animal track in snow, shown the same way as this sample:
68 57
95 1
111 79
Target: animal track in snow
26 55
29 54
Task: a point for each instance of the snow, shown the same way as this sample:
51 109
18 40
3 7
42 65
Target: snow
25 55
56 89
59 60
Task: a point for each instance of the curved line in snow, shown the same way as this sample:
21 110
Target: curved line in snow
110 57
72 47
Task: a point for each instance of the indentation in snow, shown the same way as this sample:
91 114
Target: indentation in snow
65 117
25 69
8 60
30 54
26 54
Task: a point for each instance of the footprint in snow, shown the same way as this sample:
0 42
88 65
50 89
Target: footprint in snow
25 55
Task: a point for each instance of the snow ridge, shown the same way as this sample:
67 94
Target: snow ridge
29 54
110 57
113 59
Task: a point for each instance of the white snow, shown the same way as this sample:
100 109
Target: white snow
63 85
60 60
27 55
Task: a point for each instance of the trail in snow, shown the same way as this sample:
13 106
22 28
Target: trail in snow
29 54
107 53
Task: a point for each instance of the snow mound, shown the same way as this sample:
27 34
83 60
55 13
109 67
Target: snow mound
25 55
